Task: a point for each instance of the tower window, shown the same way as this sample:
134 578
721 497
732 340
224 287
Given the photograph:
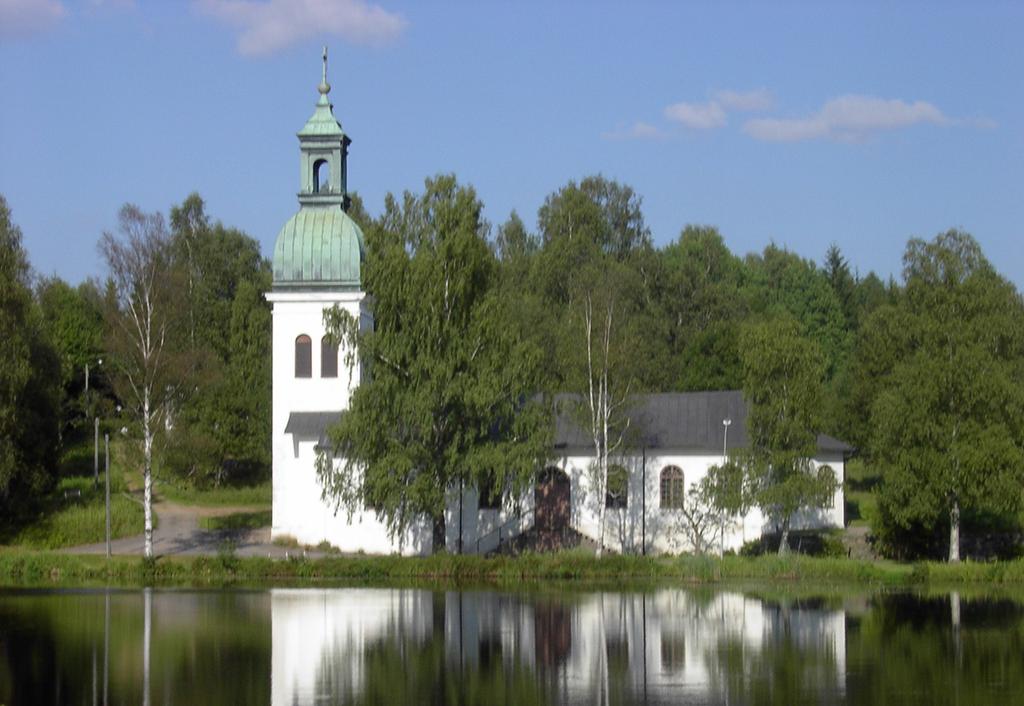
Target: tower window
328 358
303 357
321 176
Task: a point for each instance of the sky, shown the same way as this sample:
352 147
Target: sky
804 124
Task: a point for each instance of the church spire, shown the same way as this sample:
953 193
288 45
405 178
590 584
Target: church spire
324 153
324 87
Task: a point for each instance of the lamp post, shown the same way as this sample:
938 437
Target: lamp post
96 430
106 449
726 423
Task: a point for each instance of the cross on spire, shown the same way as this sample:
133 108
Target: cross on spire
324 87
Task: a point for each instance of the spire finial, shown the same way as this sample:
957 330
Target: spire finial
324 87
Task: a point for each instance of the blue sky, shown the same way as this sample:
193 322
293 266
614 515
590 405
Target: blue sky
801 123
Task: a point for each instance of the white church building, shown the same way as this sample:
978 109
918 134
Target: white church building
317 264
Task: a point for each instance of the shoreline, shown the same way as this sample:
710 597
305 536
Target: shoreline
20 567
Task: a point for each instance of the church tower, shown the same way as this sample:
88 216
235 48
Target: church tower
317 264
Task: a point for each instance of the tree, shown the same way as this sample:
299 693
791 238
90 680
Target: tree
29 381
783 374
447 399
599 352
782 283
703 309
948 424
837 272
142 317
222 429
73 320
513 243
581 223
702 517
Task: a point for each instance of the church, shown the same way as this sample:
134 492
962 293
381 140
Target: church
317 264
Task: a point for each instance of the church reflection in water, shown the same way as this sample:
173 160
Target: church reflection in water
408 645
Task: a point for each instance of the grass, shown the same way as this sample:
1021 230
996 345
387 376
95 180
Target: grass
237 521
74 512
226 496
21 566
861 501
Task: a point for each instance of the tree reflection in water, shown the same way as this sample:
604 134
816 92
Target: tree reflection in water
397 646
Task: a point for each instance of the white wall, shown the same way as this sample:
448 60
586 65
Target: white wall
299 510
626 529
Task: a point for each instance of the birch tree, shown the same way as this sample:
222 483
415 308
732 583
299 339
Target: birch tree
601 332
783 374
141 316
948 424
448 404
698 520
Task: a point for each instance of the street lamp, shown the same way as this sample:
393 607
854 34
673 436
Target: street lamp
96 430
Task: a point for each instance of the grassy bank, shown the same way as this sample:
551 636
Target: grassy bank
75 512
237 521
21 566
244 495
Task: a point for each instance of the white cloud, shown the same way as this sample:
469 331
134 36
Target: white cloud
847 118
266 26
712 114
638 131
24 18
748 101
696 116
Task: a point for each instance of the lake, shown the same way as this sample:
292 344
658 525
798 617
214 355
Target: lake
549 645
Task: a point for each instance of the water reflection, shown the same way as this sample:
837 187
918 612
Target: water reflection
410 646
372 645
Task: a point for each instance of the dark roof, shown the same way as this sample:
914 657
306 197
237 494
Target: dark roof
311 425
690 421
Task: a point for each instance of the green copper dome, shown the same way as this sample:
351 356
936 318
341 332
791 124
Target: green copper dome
319 248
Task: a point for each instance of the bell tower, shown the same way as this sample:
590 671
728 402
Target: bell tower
323 147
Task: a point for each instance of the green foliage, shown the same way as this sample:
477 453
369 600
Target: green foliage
702 309
222 429
74 512
783 386
783 283
29 380
446 402
237 521
948 423
21 566
255 494
73 319
860 491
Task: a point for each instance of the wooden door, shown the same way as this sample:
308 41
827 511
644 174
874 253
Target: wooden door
552 497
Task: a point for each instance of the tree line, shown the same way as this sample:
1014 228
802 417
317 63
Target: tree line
171 346
474 324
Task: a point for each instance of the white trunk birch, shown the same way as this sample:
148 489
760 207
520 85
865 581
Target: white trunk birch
139 319
606 434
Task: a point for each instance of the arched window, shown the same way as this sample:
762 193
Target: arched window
303 357
321 176
490 493
617 491
328 358
671 488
